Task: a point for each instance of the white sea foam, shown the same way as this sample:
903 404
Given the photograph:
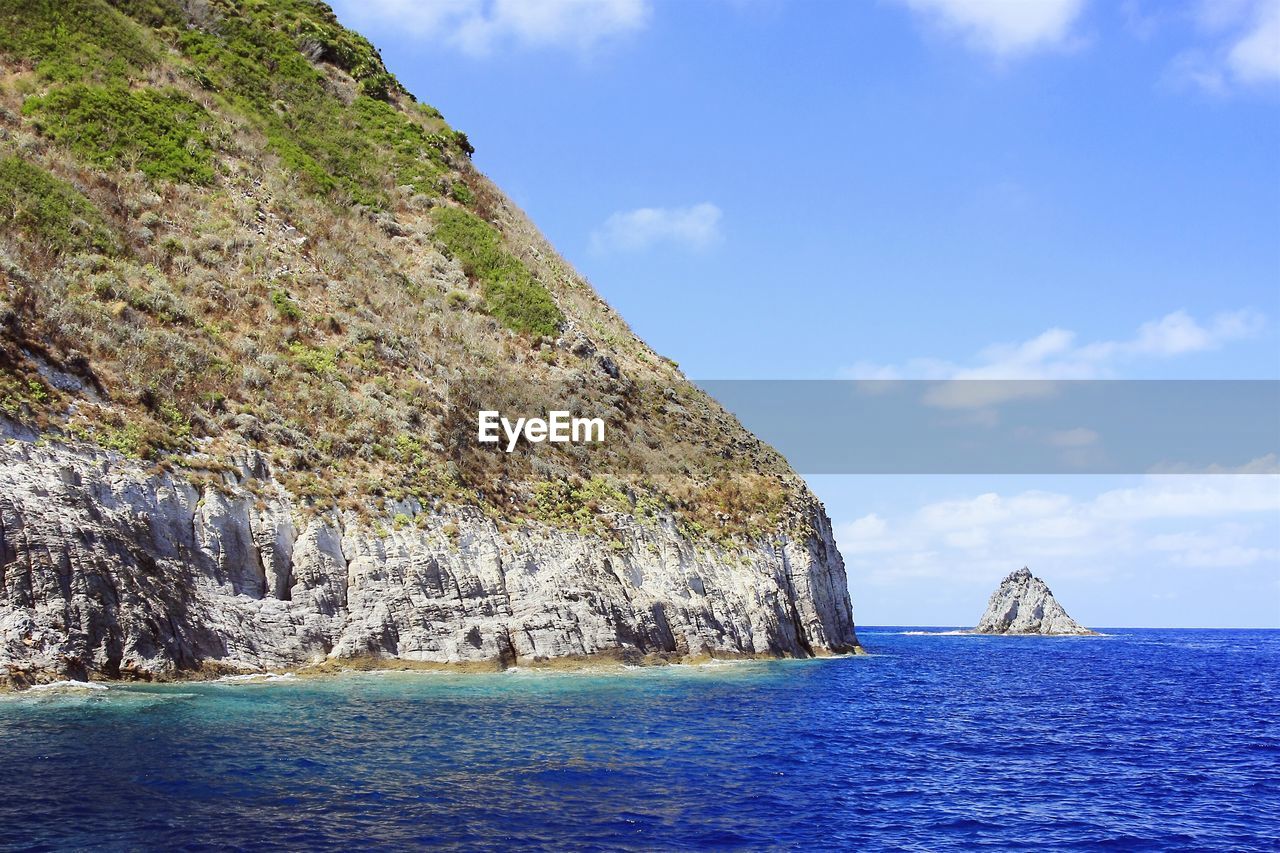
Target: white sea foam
972 633
68 685
258 676
379 673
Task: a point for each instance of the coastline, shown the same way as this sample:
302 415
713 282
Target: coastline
970 632
615 660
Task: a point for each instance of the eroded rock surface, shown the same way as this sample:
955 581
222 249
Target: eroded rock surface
1023 604
110 569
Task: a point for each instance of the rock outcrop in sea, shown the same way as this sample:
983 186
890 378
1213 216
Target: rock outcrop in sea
1023 604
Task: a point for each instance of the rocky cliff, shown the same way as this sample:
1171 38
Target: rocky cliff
253 294
1023 604
111 570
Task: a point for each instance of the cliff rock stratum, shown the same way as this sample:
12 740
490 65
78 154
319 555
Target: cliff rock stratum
252 294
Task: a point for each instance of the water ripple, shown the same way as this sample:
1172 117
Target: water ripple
1147 739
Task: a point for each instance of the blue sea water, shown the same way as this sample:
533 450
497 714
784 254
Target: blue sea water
1139 740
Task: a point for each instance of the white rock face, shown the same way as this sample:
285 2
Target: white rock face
1023 604
109 569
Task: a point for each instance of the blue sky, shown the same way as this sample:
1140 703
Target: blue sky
916 188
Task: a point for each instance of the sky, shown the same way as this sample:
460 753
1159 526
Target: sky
892 189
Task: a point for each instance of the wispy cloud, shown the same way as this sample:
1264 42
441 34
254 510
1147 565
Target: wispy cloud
1243 49
1235 47
693 227
1077 437
1005 28
479 27
1211 522
1255 56
1058 353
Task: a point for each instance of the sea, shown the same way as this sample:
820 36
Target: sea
1136 740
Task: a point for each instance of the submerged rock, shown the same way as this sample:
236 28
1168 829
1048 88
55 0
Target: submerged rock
1023 604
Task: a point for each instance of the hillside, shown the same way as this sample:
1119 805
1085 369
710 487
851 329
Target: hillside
243 265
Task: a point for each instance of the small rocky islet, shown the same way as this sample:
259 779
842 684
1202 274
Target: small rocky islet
1023 604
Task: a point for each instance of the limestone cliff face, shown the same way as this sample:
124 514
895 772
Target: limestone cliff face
108 569
1023 604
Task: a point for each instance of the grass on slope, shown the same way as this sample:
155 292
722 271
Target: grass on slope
161 132
252 56
71 40
259 58
220 286
47 213
511 293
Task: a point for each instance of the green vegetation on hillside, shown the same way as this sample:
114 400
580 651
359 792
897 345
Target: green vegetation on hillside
250 55
258 57
510 293
71 40
224 224
49 214
160 132
322 37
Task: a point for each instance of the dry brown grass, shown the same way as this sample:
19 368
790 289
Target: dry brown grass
251 312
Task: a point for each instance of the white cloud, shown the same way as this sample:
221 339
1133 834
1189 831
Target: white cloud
979 394
868 527
1190 496
1237 41
1255 57
1244 49
989 509
1178 333
1212 549
1005 28
479 27
693 227
1078 437
1218 15
1056 354
1194 69
1218 521
1268 464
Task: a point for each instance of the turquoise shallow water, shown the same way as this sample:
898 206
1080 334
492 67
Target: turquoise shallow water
1142 739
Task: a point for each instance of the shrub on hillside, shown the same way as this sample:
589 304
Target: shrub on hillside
71 40
254 60
161 132
511 293
49 213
